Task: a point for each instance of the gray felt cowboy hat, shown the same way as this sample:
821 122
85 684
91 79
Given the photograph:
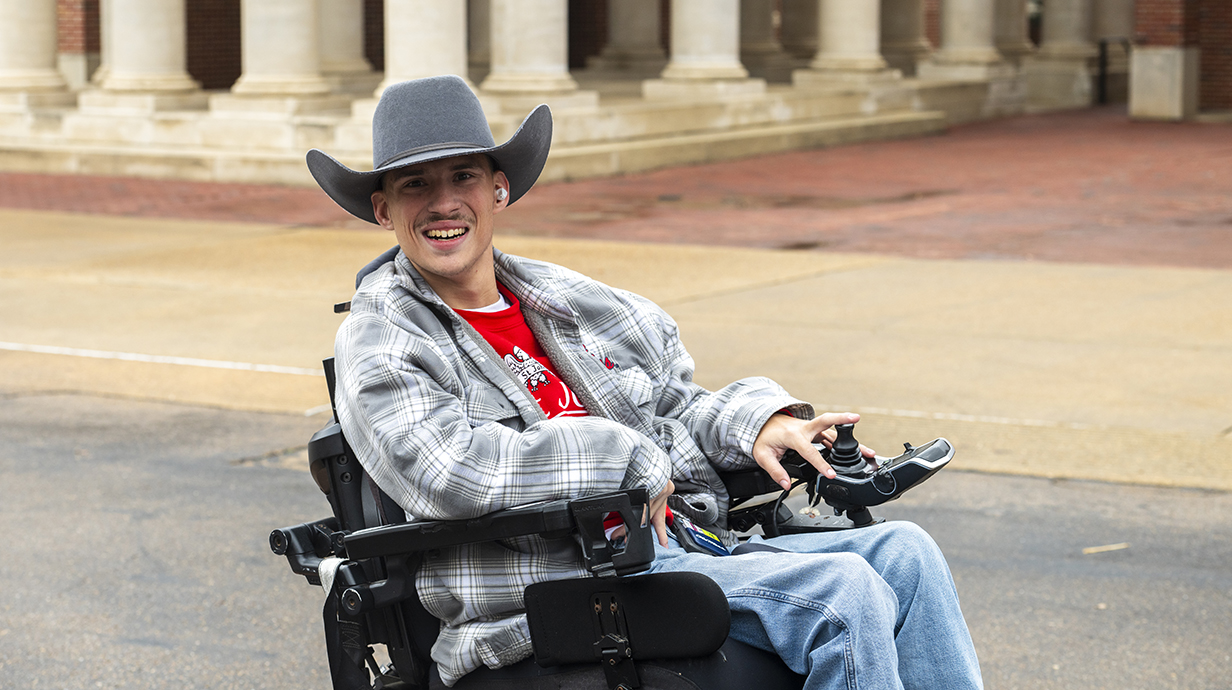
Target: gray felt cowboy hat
429 119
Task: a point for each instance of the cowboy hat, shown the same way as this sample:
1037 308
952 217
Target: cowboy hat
426 120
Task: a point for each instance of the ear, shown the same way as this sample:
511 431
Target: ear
502 182
380 209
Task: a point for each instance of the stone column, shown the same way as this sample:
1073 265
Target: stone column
146 59
968 50
343 64
530 56
104 48
760 50
28 74
1059 75
424 38
798 31
281 49
479 36
849 34
633 47
705 61
1011 30
1114 19
903 43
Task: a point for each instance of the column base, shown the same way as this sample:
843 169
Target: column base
276 106
701 89
905 57
26 101
939 68
1016 52
771 64
1055 83
107 102
522 103
149 83
703 72
32 80
815 78
629 65
354 83
503 84
281 85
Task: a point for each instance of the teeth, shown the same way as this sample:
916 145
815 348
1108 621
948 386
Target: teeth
446 234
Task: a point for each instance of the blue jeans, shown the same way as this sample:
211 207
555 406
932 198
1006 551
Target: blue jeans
865 608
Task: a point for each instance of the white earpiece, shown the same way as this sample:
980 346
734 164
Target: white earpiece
501 194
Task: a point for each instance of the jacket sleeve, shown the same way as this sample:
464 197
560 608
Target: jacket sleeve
402 406
723 423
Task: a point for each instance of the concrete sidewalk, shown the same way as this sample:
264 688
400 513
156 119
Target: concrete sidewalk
1113 361
1048 369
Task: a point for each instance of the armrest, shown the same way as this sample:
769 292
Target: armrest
550 519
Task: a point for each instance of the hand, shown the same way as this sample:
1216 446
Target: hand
658 512
783 432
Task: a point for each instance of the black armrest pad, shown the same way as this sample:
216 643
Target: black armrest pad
548 519
667 616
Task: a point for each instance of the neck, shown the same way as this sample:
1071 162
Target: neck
469 292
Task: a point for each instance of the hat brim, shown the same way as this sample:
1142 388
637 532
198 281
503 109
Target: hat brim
521 159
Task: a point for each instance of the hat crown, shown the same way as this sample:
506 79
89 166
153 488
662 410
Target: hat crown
427 114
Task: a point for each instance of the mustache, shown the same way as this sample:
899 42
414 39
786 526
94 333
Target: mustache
437 217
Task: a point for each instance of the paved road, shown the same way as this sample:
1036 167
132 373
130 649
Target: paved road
135 557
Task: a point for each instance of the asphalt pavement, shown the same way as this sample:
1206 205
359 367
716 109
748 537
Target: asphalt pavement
136 556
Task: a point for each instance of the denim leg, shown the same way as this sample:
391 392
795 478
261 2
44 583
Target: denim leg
827 615
933 643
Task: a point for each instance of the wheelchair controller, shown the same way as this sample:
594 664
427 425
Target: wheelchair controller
856 486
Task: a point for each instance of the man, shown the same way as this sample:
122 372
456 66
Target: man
471 381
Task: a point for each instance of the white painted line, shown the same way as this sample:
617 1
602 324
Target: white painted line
313 411
159 359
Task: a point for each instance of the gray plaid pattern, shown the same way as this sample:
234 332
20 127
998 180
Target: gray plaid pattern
449 432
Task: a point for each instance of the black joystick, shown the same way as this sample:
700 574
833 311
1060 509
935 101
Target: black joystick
845 455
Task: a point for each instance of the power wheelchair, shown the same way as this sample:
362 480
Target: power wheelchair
618 629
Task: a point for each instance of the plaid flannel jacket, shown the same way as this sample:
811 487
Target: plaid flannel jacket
447 430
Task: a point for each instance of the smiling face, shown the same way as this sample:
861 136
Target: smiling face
441 212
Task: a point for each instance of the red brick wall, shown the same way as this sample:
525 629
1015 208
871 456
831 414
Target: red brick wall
213 47
1214 20
1166 22
78 27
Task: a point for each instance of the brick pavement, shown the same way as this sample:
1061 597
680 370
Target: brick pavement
1087 186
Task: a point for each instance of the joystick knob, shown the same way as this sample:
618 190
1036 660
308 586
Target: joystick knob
845 455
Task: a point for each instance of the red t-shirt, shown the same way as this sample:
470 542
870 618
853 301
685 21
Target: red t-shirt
506 331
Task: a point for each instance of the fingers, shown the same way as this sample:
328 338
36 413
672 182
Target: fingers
769 461
658 512
660 527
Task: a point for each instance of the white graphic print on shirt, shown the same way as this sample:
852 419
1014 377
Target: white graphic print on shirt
538 380
532 373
